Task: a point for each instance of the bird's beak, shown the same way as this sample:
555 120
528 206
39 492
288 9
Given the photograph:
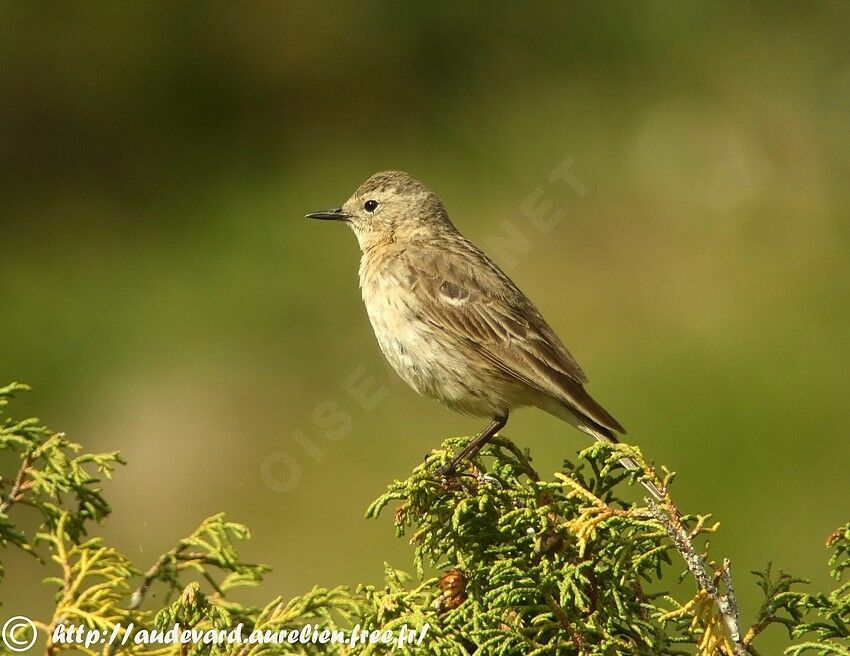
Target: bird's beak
330 215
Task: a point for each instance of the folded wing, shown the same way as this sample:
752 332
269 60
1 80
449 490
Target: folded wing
470 298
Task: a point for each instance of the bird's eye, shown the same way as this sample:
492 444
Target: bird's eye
370 205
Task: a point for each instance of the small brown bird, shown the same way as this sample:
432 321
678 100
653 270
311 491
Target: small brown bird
451 323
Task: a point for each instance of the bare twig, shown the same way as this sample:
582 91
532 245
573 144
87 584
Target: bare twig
150 576
19 487
732 603
564 621
670 517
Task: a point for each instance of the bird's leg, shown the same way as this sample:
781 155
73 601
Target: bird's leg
475 445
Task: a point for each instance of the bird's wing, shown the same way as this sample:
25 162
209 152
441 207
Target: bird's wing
468 297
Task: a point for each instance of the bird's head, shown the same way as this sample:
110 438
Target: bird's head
390 206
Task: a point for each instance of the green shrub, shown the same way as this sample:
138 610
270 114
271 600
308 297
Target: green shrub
506 563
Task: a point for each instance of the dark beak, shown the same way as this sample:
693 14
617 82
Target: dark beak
330 215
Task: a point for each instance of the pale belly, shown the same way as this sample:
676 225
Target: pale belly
429 361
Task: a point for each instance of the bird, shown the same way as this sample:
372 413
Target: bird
452 324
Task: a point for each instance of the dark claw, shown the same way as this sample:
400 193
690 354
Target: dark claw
447 471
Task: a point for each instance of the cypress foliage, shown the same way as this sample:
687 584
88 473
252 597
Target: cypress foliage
505 563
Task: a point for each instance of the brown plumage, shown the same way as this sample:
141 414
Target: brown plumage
450 322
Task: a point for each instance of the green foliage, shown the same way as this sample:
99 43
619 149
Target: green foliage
506 563
49 473
829 614
546 564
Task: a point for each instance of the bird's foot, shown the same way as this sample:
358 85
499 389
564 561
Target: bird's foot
447 471
452 479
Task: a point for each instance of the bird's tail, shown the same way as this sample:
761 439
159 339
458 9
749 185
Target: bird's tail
601 433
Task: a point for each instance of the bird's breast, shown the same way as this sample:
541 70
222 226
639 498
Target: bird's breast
422 354
405 339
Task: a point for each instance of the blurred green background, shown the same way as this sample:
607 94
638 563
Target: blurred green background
163 293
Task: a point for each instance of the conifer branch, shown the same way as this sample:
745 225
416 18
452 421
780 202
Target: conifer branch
670 517
19 487
556 566
149 577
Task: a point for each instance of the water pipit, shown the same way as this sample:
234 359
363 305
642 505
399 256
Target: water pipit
451 323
